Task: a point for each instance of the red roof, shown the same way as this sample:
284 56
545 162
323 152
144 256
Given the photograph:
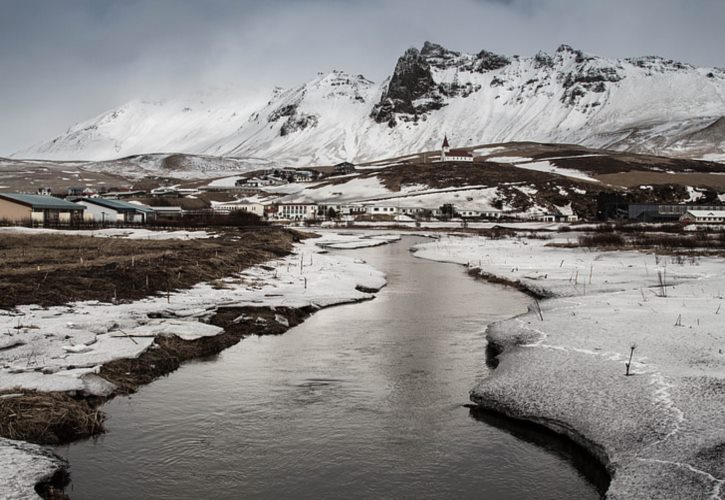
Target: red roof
445 142
459 152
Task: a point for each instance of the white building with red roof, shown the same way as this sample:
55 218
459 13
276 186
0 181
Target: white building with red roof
448 154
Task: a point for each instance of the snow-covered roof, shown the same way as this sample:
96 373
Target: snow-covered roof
707 213
38 201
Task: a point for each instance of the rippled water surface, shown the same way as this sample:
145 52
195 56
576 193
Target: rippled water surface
360 401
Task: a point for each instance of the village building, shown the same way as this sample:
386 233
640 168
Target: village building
382 210
414 211
121 194
225 208
344 168
448 154
704 217
171 212
38 209
259 182
114 211
349 209
79 192
659 212
164 192
294 211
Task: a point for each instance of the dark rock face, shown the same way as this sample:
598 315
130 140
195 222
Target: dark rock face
297 122
411 81
488 61
438 56
287 110
412 92
587 78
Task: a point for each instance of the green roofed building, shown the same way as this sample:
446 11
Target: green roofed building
15 207
114 211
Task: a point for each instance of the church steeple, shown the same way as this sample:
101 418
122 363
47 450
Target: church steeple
445 148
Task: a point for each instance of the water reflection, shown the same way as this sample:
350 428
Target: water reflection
361 401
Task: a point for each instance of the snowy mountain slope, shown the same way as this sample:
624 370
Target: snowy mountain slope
646 104
187 125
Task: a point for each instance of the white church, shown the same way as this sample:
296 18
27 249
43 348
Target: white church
448 154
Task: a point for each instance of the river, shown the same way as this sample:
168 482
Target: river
360 401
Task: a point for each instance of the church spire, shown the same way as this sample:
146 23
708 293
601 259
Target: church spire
445 148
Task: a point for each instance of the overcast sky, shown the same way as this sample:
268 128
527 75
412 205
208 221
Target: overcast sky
63 61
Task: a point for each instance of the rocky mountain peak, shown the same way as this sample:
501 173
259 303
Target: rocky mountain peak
411 81
647 104
437 55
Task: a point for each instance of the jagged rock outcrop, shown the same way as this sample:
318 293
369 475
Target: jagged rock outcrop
411 90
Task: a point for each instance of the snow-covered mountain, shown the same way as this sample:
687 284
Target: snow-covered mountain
646 104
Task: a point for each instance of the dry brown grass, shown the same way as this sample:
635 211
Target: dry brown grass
48 417
57 269
637 178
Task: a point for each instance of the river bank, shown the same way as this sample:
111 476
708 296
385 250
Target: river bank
365 399
659 431
85 352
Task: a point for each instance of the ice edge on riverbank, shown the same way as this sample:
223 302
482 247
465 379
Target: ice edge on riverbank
660 432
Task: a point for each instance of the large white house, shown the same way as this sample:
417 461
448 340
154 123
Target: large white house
704 216
17 207
113 211
295 211
240 206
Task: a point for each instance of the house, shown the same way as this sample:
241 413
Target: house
704 217
168 212
448 154
382 210
113 211
295 211
225 208
344 168
652 212
346 209
259 182
165 192
122 194
15 207
414 211
302 176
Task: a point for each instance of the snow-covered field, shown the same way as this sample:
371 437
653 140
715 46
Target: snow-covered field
62 348
661 431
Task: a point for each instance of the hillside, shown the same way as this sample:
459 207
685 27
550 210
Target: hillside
527 177
520 176
645 104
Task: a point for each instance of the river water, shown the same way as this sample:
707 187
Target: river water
360 401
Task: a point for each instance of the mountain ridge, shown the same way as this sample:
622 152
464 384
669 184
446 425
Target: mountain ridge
642 104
